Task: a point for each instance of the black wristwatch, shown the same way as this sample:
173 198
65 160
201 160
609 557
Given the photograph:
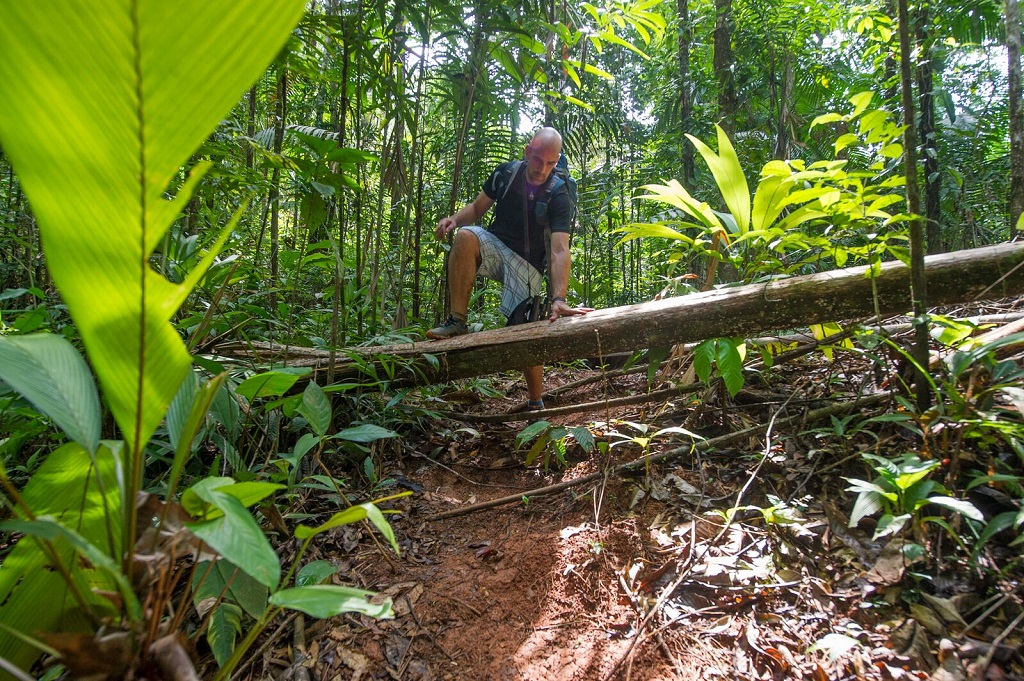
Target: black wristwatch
557 298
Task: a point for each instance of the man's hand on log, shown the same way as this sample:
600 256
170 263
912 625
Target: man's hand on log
561 309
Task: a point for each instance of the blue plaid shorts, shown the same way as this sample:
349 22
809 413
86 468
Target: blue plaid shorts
519 279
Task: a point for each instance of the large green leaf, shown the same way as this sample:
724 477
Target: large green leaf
327 600
221 578
316 407
236 536
201 498
105 100
267 384
47 529
232 531
366 432
50 373
725 166
66 486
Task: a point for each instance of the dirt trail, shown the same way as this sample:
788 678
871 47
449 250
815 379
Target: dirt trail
557 588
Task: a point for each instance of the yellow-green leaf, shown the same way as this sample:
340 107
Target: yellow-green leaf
106 100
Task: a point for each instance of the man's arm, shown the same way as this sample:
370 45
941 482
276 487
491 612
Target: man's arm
560 265
470 214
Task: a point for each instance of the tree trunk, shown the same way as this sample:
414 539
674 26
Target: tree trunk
929 135
338 302
419 156
1013 49
918 278
723 65
987 273
785 97
250 127
685 37
275 182
476 57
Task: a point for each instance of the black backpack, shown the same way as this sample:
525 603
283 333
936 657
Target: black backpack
559 182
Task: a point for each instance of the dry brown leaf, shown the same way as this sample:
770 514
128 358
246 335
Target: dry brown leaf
171 657
946 610
927 618
87 655
890 566
357 662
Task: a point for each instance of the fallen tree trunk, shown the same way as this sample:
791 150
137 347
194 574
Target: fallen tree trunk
992 272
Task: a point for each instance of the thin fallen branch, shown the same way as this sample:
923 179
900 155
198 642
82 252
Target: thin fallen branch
574 408
702 445
616 373
983 667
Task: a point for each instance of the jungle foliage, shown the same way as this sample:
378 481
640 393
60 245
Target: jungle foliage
177 174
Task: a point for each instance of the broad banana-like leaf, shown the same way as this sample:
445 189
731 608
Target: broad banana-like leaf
676 195
33 595
105 100
726 169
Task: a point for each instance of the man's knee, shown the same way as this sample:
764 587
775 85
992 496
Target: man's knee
466 246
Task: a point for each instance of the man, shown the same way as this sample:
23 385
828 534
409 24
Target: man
514 250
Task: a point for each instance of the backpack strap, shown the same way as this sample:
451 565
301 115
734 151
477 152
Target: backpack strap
508 177
554 184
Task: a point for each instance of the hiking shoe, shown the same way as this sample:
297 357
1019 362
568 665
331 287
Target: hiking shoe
450 329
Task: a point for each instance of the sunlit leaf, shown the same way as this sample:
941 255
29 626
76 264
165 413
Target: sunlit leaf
66 486
328 600
267 384
961 506
48 371
106 101
732 183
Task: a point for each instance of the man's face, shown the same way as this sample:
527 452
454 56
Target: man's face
541 159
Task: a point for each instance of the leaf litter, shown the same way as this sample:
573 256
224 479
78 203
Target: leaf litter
734 563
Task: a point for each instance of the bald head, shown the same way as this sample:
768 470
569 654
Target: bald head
542 155
548 137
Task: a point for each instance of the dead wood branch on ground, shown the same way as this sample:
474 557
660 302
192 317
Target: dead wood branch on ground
702 445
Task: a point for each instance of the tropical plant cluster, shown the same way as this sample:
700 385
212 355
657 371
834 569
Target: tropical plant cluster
177 175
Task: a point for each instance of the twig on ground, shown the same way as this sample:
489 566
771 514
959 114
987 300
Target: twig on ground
574 408
558 390
983 665
997 602
265 647
457 474
702 445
